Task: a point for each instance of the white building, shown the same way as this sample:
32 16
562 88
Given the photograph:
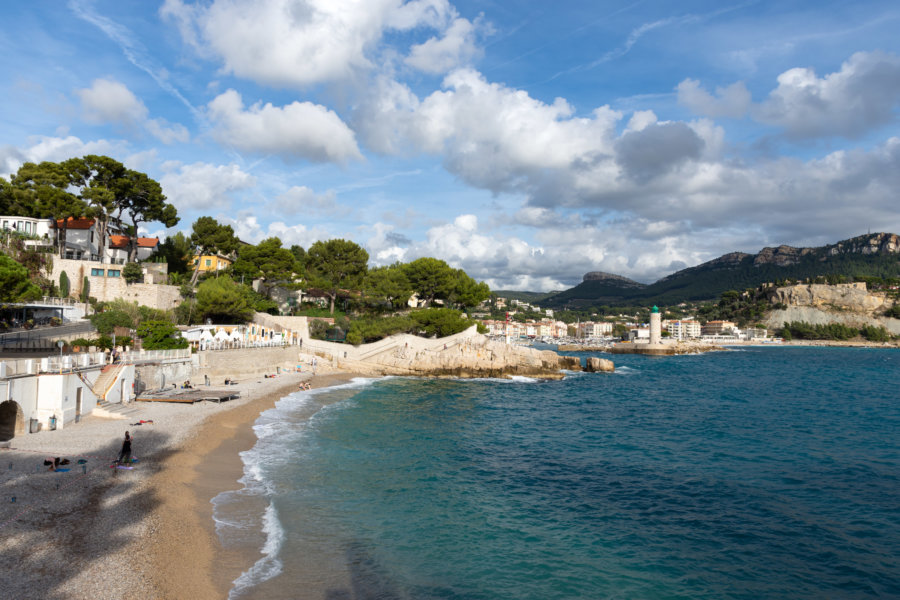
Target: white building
590 329
56 391
684 330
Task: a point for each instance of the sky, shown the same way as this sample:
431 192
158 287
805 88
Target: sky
526 142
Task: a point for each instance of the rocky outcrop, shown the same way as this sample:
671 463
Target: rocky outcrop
873 243
476 356
599 365
611 279
845 297
781 256
850 304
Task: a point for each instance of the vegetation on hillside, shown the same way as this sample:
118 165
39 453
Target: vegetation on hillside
707 282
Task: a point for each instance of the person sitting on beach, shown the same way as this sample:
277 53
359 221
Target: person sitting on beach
55 463
125 452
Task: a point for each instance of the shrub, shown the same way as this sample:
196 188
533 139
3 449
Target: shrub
133 273
440 322
108 320
371 330
160 335
63 285
875 334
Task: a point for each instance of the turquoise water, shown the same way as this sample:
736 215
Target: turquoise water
763 473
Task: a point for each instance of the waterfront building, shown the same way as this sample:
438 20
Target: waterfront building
684 330
717 328
591 329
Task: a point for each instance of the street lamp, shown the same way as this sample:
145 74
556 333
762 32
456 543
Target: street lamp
60 343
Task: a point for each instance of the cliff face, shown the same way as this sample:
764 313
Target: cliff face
850 304
781 256
869 244
846 297
874 243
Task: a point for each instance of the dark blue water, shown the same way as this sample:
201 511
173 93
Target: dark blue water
765 473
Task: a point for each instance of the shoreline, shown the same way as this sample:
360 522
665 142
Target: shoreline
189 489
89 531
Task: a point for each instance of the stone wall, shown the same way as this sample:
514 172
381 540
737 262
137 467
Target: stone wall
219 364
156 376
106 289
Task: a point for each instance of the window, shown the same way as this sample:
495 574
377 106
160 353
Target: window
96 272
208 262
113 273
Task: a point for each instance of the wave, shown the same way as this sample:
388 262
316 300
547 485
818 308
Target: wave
275 429
270 564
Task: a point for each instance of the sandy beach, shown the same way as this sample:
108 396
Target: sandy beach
100 532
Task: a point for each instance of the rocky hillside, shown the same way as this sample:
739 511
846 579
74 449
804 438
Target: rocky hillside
849 304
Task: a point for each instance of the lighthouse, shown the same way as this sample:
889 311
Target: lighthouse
655 326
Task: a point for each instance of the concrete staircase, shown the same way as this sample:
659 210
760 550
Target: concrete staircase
106 380
108 410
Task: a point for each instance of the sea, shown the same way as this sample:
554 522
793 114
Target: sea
763 472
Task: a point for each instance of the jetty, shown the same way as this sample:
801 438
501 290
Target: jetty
189 396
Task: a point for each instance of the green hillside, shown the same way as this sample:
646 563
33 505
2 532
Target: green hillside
872 255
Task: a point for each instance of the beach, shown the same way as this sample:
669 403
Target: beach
100 532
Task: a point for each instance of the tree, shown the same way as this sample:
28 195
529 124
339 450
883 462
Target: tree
15 284
266 260
43 190
467 291
97 178
105 322
63 285
430 278
160 335
300 256
336 264
133 273
85 289
208 237
388 284
142 198
177 252
223 301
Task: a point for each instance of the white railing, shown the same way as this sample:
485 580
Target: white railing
140 356
51 364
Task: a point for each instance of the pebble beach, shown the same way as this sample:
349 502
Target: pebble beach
147 532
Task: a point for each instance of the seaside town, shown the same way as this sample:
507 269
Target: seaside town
333 300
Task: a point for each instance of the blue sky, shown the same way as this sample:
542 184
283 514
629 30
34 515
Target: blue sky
526 142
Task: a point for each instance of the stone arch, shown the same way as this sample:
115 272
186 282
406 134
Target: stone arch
12 420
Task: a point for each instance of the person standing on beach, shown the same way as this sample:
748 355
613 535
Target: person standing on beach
125 453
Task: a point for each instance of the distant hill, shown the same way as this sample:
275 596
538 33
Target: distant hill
529 297
876 254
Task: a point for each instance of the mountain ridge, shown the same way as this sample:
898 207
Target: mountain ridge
873 254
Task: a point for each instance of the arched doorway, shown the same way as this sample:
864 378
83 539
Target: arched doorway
12 421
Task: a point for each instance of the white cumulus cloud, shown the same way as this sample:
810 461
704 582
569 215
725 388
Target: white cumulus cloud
297 130
291 43
439 55
110 101
203 186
